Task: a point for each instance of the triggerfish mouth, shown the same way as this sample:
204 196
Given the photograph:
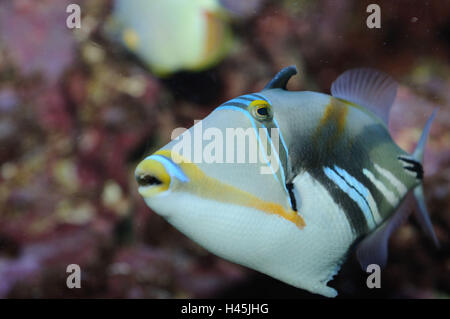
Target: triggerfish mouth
328 179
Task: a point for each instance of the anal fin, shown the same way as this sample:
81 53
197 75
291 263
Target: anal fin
422 216
374 248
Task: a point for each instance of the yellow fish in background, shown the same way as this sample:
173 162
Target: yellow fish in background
173 35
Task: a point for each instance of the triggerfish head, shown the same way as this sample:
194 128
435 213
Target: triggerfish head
289 183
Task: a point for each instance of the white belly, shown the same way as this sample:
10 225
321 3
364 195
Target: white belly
306 258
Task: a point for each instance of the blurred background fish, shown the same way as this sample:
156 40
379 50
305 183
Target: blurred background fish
173 35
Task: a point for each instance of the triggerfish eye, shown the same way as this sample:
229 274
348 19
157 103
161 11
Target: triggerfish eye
260 110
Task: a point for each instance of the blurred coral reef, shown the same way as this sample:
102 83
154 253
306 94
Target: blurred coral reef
77 114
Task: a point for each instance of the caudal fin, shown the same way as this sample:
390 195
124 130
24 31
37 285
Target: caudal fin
374 248
421 212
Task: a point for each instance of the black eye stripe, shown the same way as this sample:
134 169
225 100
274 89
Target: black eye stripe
290 188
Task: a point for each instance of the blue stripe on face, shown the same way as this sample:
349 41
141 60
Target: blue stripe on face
245 100
276 154
173 169
281 137
241 100
259 97
275 122
352 193
280 166
245 112
282 142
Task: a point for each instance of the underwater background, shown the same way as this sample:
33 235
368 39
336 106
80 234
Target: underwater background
79 108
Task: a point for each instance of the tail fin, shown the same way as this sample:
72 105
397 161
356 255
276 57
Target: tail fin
422 213
373 249
420 148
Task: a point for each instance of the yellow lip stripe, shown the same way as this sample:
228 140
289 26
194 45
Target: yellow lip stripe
207 187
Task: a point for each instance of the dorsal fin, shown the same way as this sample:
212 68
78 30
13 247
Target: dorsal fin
370 88
280 80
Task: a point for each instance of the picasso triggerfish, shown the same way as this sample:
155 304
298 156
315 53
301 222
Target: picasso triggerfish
332 180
